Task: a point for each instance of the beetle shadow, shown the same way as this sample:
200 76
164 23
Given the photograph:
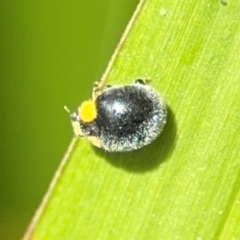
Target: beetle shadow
149 157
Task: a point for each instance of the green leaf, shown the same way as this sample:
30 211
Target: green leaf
186 184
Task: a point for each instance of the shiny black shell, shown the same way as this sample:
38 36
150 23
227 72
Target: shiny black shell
128 117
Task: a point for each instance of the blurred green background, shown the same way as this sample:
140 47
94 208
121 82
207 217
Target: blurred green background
51 53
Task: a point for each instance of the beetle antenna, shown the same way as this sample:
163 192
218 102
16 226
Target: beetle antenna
66 109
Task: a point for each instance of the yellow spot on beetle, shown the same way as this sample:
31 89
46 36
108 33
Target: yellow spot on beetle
87 111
